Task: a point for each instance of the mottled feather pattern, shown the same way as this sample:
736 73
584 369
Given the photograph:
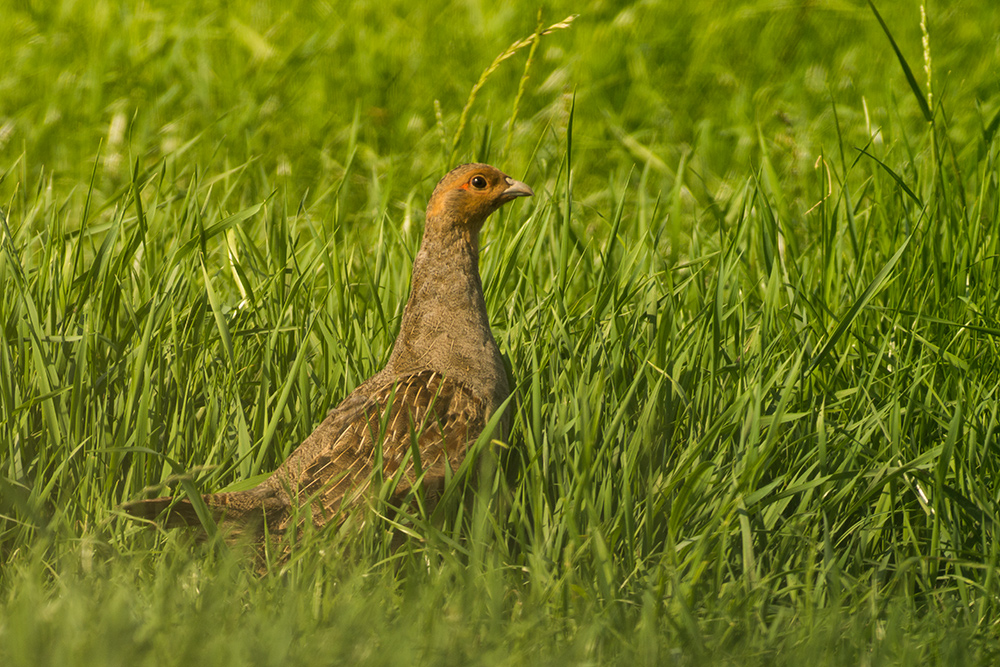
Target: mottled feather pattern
424 420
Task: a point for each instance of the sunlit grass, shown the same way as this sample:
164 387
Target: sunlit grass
750 315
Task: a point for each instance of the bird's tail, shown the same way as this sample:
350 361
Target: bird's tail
241 514
171 512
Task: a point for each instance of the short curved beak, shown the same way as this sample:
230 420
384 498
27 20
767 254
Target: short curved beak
516 189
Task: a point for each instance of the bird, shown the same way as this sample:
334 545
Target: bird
414 420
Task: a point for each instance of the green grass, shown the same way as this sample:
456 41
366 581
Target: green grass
751 315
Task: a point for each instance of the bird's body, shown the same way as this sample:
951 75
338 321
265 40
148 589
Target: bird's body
414 420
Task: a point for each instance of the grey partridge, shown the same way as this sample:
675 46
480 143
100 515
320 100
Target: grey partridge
444 380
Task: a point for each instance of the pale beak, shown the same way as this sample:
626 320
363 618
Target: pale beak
515 189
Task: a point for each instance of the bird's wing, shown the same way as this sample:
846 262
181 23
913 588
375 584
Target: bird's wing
417 426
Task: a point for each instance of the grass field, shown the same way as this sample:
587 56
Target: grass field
752 316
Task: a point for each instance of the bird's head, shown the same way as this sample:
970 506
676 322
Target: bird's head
467 195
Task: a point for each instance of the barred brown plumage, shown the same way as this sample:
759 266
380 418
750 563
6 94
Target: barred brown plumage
419 414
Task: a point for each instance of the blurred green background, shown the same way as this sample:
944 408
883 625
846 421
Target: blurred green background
280 83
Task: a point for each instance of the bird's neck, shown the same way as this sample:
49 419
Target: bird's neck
445 326
447 253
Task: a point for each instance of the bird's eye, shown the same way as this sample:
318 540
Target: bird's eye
478 182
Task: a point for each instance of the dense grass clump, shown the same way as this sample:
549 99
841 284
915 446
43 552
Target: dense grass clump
751 316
